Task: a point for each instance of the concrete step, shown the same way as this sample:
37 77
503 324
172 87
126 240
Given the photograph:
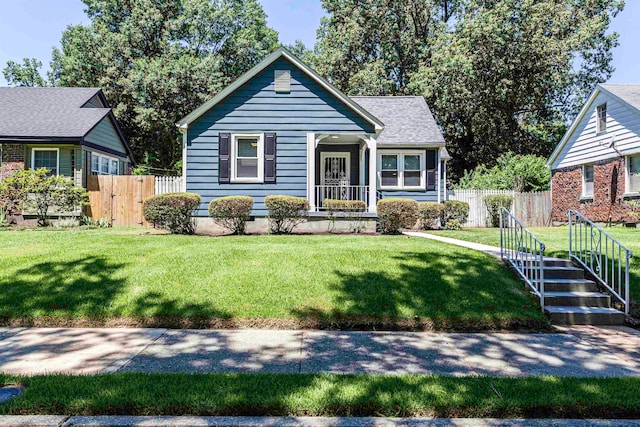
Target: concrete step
568 315
584 299
552 262
563 273
569 285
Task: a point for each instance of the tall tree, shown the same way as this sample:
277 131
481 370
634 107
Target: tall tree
25 74
158 60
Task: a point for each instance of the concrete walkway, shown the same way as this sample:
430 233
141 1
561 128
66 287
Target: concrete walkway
491 250
580 352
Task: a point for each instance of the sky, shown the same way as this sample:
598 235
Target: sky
31 28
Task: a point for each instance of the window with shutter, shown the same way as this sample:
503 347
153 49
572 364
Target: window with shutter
407 169
247 158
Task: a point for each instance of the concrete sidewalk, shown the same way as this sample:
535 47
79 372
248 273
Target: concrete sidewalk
582 352
491 250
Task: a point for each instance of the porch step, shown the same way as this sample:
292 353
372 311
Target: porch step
569 285
552 262
579 315
563 273
585 299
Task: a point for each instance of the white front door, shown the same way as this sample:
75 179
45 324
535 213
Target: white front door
334 169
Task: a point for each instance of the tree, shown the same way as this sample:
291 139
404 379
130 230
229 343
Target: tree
158 60
25 74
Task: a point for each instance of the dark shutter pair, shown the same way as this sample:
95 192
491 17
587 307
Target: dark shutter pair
224 158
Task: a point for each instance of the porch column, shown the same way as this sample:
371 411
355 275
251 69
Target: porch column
438 179
373 174
311 171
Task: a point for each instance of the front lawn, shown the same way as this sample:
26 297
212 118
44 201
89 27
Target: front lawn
326 395
556 240
133 277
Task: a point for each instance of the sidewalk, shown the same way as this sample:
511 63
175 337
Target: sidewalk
580 352
491 250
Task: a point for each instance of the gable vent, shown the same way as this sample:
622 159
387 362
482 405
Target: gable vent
283 81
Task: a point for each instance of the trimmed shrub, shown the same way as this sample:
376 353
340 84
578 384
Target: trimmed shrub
431 214
231 212
172 211
395 214
452 224
352 210
494 203
456 210
286 213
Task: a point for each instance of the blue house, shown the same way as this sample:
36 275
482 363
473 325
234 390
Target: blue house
283 129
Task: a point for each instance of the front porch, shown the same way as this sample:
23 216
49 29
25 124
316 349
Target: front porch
341 166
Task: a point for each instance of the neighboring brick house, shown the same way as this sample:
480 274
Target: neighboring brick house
596 167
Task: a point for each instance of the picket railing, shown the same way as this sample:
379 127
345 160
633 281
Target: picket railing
523 251
602 255
340 192
169 184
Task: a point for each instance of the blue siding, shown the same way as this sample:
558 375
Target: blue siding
105 135
256 108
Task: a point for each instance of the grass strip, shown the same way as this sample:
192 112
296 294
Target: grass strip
325 395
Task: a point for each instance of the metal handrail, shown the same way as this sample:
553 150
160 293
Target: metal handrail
601 254
523 251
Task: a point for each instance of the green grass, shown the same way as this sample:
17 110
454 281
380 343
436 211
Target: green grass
325 395
61 277
556 240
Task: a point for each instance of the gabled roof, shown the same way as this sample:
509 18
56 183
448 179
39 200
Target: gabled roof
51 112
281 52
407 120
627 93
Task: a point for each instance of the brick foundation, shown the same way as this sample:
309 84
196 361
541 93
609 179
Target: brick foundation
607 204
12 159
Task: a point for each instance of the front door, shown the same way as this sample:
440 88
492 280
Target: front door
335 176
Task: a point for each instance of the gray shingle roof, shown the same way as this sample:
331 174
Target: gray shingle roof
47 112
627 92
407 120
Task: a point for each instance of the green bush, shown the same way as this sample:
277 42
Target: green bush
36 192
456 210
452 224
172 211
286 213
232 212
351 210
395 214
494 203
430 214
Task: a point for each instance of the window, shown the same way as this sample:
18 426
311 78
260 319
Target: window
104 165
633 174
247 158
601 117
282 81
409 170
587 181
45 158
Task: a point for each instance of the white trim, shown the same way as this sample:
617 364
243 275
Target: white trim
344 154
311 171
100 157
598 107
260 139
33 157
584 182
400 168
627 176
439 166
184 161
281 52
373 174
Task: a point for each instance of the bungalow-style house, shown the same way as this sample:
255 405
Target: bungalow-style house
282 129
596 166
70 131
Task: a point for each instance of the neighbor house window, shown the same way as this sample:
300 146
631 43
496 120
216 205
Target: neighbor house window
104 165
601 116
587 181
406 170
247 158
633 174
46 158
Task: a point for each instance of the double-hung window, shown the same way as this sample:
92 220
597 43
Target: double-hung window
406 170
48 158
601 117
633 174
587 181
104 165
247 153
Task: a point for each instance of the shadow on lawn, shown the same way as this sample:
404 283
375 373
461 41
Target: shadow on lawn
432 291
82 292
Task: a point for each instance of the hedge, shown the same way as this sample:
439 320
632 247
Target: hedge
286 213
395 214
231 212
172 211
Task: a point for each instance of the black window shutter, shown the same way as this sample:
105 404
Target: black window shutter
224 161
431 170
270 141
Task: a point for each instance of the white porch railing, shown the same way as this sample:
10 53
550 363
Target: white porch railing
523 251
340 192
603 256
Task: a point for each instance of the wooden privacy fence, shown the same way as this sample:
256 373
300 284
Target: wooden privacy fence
533 209
119 199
